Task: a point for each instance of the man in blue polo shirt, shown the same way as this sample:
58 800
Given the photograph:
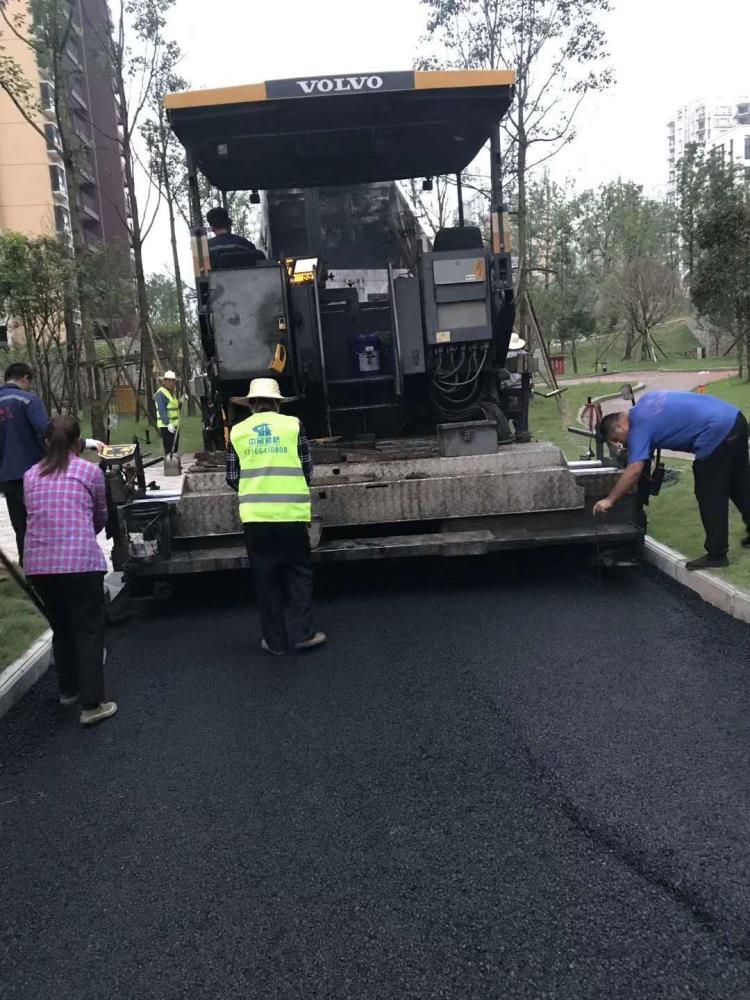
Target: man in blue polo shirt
715 432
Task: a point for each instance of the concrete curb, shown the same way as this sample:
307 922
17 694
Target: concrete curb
712 589
16 679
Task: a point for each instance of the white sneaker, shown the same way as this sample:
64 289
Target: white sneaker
317 640
90 716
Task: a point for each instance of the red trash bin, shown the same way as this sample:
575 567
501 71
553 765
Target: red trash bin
558 364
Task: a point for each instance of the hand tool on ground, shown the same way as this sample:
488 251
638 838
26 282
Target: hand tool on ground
23 583
172 463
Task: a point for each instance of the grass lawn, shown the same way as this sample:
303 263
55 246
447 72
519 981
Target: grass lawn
674 337
191 437
673 519
549 421
733 390
20 623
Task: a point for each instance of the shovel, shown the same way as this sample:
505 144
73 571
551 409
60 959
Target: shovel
172 463
23 583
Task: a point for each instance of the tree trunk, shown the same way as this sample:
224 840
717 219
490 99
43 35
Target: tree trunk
645 354
523 237
184 340
80 249
574 355
136 240
96 411
72 394
629 343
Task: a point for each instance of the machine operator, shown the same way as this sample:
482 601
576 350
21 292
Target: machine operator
715 432
224 239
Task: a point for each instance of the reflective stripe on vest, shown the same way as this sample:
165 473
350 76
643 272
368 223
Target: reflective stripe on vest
272 483
173 409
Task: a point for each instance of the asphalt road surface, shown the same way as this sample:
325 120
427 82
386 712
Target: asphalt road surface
499 780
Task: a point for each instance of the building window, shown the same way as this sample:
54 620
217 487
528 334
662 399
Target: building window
48 96
53 137
747 147
62 221
57 179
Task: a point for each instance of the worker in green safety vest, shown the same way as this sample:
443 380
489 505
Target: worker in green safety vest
269 466
167 410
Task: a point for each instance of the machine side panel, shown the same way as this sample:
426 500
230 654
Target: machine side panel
456 296
409 311
246 307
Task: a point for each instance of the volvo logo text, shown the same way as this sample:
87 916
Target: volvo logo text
340 84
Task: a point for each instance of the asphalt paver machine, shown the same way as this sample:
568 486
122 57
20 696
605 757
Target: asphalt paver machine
417 410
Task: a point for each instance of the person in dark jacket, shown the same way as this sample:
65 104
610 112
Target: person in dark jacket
224 239
23 424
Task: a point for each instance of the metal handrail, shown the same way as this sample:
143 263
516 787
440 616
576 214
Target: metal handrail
396 334
322 352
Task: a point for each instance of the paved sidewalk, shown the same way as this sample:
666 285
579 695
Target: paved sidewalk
674 381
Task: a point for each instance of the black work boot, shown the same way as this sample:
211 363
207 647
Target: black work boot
707 562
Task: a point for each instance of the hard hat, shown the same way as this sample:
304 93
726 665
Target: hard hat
261 388
516 344
169 375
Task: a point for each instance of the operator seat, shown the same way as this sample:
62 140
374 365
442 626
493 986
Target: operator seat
458 238
232 258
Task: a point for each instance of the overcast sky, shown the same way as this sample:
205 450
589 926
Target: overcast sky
664 52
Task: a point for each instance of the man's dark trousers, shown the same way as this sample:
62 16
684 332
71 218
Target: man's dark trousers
13 490
75 605
722 476
167 439
279 554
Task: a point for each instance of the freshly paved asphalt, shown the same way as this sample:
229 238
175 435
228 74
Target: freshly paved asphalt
499 780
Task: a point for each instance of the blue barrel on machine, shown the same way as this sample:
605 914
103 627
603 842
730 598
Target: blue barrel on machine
367 353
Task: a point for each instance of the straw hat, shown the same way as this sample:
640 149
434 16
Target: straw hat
516 344
261 388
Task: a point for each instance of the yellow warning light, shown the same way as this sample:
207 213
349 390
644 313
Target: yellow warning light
302 270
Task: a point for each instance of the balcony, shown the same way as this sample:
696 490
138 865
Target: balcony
90 212
86 180
80 101
83 138
72 51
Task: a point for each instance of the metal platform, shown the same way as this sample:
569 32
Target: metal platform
446 543
522 496
518 479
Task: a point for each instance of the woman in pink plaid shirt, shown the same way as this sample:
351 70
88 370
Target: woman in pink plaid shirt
67 507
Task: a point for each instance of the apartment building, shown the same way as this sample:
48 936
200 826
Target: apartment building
735 144
34 195
703 123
